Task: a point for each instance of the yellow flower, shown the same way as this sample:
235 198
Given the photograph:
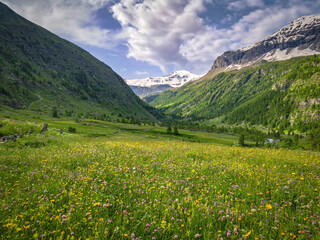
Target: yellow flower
268 206
248 234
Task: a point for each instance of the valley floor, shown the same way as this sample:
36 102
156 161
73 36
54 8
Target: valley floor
119 181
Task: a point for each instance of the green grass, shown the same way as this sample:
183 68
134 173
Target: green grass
115 181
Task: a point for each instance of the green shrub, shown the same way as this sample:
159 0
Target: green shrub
72 129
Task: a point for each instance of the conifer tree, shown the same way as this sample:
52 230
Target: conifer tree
175 130
241 139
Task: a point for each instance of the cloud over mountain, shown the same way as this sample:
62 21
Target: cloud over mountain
169 34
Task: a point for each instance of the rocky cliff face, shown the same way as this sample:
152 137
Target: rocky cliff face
300 38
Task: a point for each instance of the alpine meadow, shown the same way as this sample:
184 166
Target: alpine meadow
95 145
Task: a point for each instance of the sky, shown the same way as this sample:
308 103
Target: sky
148 38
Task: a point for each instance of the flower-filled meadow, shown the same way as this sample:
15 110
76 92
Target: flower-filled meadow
136 188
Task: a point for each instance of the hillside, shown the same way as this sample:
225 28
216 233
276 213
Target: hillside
39 71
283 94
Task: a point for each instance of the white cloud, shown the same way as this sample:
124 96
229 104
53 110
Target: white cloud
242 4
155 30
68 18
165 33
141 73
172 33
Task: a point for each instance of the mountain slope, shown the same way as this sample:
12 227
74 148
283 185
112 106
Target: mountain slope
40 71
284 94
154 85
299 38
243 87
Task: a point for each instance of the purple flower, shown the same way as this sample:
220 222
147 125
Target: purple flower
197 235
147 225
133 235
175 236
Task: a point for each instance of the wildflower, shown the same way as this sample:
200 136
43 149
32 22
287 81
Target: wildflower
175 236
268 206
197 235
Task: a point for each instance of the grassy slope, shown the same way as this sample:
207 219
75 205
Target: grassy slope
39 71
277 94
111 186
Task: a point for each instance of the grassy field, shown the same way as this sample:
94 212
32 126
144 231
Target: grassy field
119 181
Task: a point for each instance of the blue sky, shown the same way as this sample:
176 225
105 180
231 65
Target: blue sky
140 38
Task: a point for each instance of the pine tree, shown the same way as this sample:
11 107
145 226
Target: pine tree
175 130
55 113
241 139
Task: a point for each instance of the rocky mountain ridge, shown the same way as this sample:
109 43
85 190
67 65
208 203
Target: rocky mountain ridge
299 38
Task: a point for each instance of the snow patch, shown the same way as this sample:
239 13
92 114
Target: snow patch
279 55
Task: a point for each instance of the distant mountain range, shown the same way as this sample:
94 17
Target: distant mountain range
154 85
39 71
251 85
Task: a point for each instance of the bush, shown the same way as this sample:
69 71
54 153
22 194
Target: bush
169 130
241 139
55 113
72 129
314 139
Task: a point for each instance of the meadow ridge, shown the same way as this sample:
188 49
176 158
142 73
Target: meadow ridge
126 185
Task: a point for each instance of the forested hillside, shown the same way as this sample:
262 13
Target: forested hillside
283 94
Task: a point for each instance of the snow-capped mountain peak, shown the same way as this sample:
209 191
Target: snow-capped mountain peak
176 79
